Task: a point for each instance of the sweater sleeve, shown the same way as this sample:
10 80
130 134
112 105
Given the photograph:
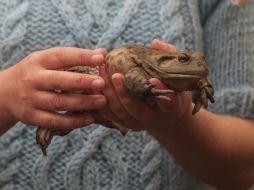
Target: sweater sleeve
12 31
229 48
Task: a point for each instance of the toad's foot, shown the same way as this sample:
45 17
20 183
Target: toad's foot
137 82
151 93
205 93
45 135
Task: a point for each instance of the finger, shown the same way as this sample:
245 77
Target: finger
113 101
239 2
158 83
68 81
136 108
164 106
54 120
162 46
64 57
104 75
103 51
68 102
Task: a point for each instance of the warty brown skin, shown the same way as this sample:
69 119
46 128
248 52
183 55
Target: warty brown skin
178 71
216 148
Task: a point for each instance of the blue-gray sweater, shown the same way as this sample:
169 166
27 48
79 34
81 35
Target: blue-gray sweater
96 157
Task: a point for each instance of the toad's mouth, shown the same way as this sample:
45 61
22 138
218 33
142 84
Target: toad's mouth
164 73
185 70
183 76
190 73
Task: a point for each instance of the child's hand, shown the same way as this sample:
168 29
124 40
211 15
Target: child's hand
30 90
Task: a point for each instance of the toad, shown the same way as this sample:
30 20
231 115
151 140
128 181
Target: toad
178 71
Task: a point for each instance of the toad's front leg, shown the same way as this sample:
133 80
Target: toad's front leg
137 82
205 91
45 135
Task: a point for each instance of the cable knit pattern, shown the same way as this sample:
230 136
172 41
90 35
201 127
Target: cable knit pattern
94 157
13 29
151 175
10 148
232 70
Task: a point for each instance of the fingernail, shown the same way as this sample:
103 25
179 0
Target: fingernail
156 40
100 102
98 84
97 58
117 80
102 51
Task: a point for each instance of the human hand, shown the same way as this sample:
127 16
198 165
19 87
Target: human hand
31 90
239 2
132 113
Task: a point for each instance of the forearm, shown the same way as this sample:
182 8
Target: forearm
6 122
6 119
217 149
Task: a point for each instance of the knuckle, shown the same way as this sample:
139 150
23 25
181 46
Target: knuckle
56 102
87 105
94 104
26 100
83 58
24 116
26 77
48 121
91 104
27 115
34 56
59 54
23 96
81 82
83 103
27 80
52 123
75 123
56 82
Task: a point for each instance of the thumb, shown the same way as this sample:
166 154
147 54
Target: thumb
162 46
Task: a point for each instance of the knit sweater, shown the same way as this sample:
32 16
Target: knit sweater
96 157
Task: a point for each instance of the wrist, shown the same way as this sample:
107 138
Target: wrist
174 127
7 121
6 118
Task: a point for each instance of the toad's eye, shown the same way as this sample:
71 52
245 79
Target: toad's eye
183 57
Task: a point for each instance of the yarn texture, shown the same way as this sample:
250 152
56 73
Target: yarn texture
95 157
